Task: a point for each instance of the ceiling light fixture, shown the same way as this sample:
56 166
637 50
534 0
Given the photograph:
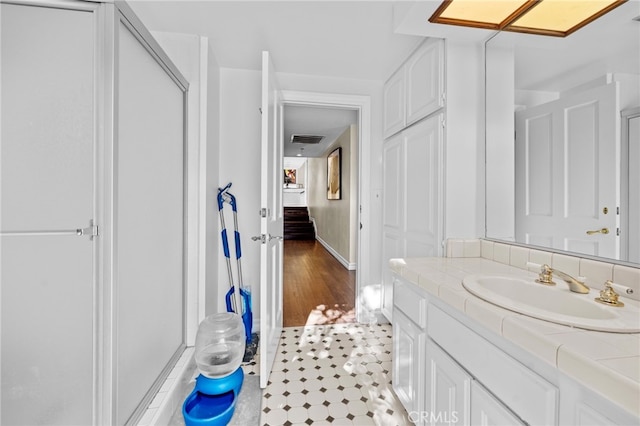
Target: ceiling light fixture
545 17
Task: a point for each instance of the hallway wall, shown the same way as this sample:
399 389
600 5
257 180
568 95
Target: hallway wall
335 226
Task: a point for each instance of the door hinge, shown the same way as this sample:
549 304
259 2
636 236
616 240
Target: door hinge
618 232
263 212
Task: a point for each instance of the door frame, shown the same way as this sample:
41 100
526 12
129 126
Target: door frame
362 104
626 242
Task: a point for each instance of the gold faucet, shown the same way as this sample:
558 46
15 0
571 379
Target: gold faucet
546 277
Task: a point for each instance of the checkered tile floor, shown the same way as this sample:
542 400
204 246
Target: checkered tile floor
335 374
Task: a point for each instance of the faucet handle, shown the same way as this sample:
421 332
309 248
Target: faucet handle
546 275
608 296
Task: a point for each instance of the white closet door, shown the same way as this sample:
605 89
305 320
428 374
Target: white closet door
47 178
422 212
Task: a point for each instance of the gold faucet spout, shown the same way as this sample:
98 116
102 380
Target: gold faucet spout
574 285
546 277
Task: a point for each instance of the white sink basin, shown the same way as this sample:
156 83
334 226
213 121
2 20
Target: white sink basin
555 304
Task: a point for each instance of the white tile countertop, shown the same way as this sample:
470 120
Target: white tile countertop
608 363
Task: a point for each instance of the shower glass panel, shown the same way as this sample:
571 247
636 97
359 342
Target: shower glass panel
47 278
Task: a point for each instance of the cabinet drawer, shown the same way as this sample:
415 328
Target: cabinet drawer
410 302
528 395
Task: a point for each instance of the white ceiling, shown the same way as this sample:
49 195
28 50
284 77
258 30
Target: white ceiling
305 120
348 39
363 39
343 39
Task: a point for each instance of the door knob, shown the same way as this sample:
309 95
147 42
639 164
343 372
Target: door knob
599 231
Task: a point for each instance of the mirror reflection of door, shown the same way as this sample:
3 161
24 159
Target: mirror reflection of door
631 187
568 174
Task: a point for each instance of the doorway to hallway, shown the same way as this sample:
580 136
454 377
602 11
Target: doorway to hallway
317 288
356 269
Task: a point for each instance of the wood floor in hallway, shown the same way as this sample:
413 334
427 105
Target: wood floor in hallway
317 288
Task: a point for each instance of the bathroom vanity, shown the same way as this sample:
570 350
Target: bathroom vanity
461 360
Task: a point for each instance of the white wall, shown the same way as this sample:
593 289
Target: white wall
239 163
335 226
464 141
500 149
210 160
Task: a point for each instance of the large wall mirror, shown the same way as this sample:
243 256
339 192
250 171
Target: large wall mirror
563 136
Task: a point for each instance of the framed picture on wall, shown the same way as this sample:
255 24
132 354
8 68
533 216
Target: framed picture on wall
289 176
334 175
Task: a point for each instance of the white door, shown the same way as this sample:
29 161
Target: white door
567 173
271 221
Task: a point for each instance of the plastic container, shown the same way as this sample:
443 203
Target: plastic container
220 344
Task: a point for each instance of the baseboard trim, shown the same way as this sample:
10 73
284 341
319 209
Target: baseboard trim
350 266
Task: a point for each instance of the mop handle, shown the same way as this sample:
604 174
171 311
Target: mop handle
221 200
221 193
231 199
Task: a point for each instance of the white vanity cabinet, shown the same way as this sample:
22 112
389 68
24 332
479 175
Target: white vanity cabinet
455 397
528 395
467 372
444 371
486 409
416 89
409 340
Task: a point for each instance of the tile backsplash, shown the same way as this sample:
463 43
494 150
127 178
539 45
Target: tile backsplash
594 271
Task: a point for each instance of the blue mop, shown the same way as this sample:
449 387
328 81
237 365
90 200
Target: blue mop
238 298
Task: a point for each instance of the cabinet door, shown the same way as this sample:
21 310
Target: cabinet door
422 167
408 363
425 81
448 388
392 245
394 104
487 410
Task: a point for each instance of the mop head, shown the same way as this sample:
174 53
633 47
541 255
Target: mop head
251 349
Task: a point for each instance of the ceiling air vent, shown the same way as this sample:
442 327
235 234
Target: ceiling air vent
306 139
